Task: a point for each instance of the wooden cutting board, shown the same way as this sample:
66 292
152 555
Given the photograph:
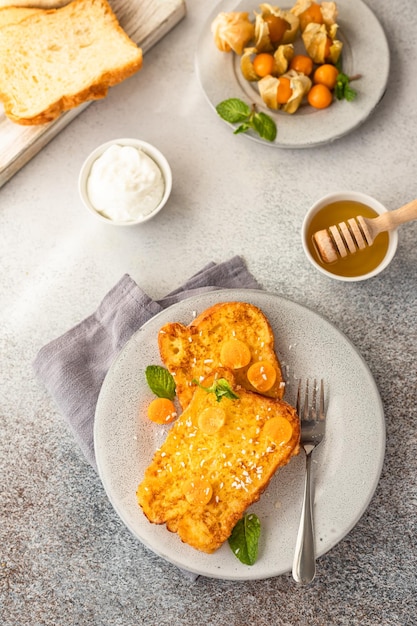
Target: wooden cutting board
145 21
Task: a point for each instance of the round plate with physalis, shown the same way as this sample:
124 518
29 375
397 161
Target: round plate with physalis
293 77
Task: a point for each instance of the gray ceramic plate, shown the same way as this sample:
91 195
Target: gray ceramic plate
365 52
348 463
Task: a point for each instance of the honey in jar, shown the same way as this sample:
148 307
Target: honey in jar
361 262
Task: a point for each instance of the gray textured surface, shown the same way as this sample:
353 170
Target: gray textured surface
65 556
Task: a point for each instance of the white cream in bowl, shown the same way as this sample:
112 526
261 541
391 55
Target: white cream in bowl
125 182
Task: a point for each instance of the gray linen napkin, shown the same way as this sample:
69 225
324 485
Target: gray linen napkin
73 366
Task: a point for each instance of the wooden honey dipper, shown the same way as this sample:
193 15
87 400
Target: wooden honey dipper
359 232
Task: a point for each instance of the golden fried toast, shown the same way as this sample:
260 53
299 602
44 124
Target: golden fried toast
236 335
216 461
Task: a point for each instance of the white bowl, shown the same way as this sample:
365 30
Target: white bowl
355 196
148 149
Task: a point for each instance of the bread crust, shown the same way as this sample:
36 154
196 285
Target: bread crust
15 14
238 462
33 4
191 352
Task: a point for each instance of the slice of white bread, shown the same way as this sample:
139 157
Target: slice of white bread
56 59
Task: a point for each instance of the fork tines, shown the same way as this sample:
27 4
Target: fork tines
311 409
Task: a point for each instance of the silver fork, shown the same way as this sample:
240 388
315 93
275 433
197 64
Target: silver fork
313 421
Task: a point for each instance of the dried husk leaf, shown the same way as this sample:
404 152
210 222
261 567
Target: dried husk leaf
283 55
282 58
337 45
232 31
315 38
246 64
300 6
268 86
300 85
262 40
328 10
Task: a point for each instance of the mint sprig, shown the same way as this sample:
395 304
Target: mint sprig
221 389
244 539
235 111
342 89
160 381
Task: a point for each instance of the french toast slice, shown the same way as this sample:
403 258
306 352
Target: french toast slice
191 352
216 461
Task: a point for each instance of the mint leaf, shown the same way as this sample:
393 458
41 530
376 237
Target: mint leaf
221 389
340 86
160 381
349 93
242 129
245 538
236 111
265 126
343 90
233 110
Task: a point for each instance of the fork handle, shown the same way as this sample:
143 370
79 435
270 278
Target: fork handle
304 565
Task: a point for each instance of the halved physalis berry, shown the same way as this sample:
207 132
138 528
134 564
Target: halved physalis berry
278 430
162 411
262 375
211 420
198 491
234 354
